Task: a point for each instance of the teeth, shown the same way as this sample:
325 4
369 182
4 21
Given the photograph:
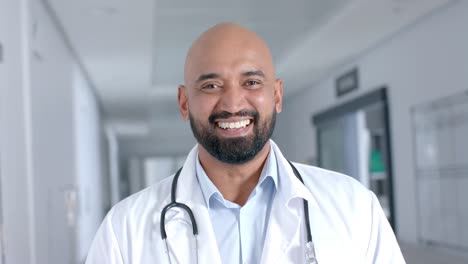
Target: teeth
234 125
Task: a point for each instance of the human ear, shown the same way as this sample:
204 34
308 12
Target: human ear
279 95
183 102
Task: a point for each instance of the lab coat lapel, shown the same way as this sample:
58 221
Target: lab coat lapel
183 247
283 228
286 218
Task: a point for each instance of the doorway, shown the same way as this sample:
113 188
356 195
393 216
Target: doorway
354 139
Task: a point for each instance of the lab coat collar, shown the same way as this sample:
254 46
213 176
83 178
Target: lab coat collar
290 187
189 193
284 225
287 214
187 179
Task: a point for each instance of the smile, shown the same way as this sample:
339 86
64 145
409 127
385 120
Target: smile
234 125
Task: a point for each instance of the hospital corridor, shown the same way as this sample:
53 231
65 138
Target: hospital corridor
91 112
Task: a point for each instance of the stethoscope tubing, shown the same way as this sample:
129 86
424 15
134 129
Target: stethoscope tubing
306 204
174 204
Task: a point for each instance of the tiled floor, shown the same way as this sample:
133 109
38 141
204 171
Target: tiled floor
432 255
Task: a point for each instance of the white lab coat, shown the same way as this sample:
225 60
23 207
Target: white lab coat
347 222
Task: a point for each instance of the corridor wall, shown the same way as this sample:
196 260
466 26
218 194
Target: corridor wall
52 172
423 62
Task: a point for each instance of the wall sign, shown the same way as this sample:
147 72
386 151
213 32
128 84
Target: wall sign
347 82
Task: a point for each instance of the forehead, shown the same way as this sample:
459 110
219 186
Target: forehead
228 60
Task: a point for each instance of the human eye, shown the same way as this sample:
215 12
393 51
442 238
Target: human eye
252 84
209 86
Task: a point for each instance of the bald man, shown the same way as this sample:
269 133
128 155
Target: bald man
237 199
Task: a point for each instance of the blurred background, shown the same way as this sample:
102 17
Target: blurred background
376 89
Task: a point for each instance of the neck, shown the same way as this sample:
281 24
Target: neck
235 182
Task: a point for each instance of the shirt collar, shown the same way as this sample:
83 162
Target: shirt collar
270 170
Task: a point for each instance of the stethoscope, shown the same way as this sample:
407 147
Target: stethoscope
309 251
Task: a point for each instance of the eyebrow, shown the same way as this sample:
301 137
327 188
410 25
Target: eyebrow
208 76
253 73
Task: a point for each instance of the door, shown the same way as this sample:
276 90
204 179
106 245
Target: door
354 139
343 144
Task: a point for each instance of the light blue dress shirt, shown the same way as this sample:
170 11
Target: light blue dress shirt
240 231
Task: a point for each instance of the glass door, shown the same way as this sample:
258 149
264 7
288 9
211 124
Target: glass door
354 139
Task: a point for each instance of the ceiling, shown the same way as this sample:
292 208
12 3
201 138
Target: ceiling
134 51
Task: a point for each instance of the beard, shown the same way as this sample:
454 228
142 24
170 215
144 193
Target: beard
234 150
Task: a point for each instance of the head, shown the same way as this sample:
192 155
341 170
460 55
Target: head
231 95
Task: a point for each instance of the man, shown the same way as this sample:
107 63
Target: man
247 202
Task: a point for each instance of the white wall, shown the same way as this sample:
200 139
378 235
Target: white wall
90 163
54 166
426 61
14 135
51 141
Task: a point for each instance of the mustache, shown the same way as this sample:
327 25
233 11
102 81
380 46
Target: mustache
225 114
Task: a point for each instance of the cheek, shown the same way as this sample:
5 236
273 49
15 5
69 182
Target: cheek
202 106
263 102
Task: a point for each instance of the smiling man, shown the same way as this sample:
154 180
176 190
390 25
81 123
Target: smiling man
237 199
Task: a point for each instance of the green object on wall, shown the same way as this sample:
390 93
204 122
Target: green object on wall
376 162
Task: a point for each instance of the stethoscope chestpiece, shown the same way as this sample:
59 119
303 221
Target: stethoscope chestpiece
310 253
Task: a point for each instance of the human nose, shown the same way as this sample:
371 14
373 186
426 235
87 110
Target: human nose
232 99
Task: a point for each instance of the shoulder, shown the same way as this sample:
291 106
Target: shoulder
322 177
130 220
352 213
335 190
141 204
342 202
326 185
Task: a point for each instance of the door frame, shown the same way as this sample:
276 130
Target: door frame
378 95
